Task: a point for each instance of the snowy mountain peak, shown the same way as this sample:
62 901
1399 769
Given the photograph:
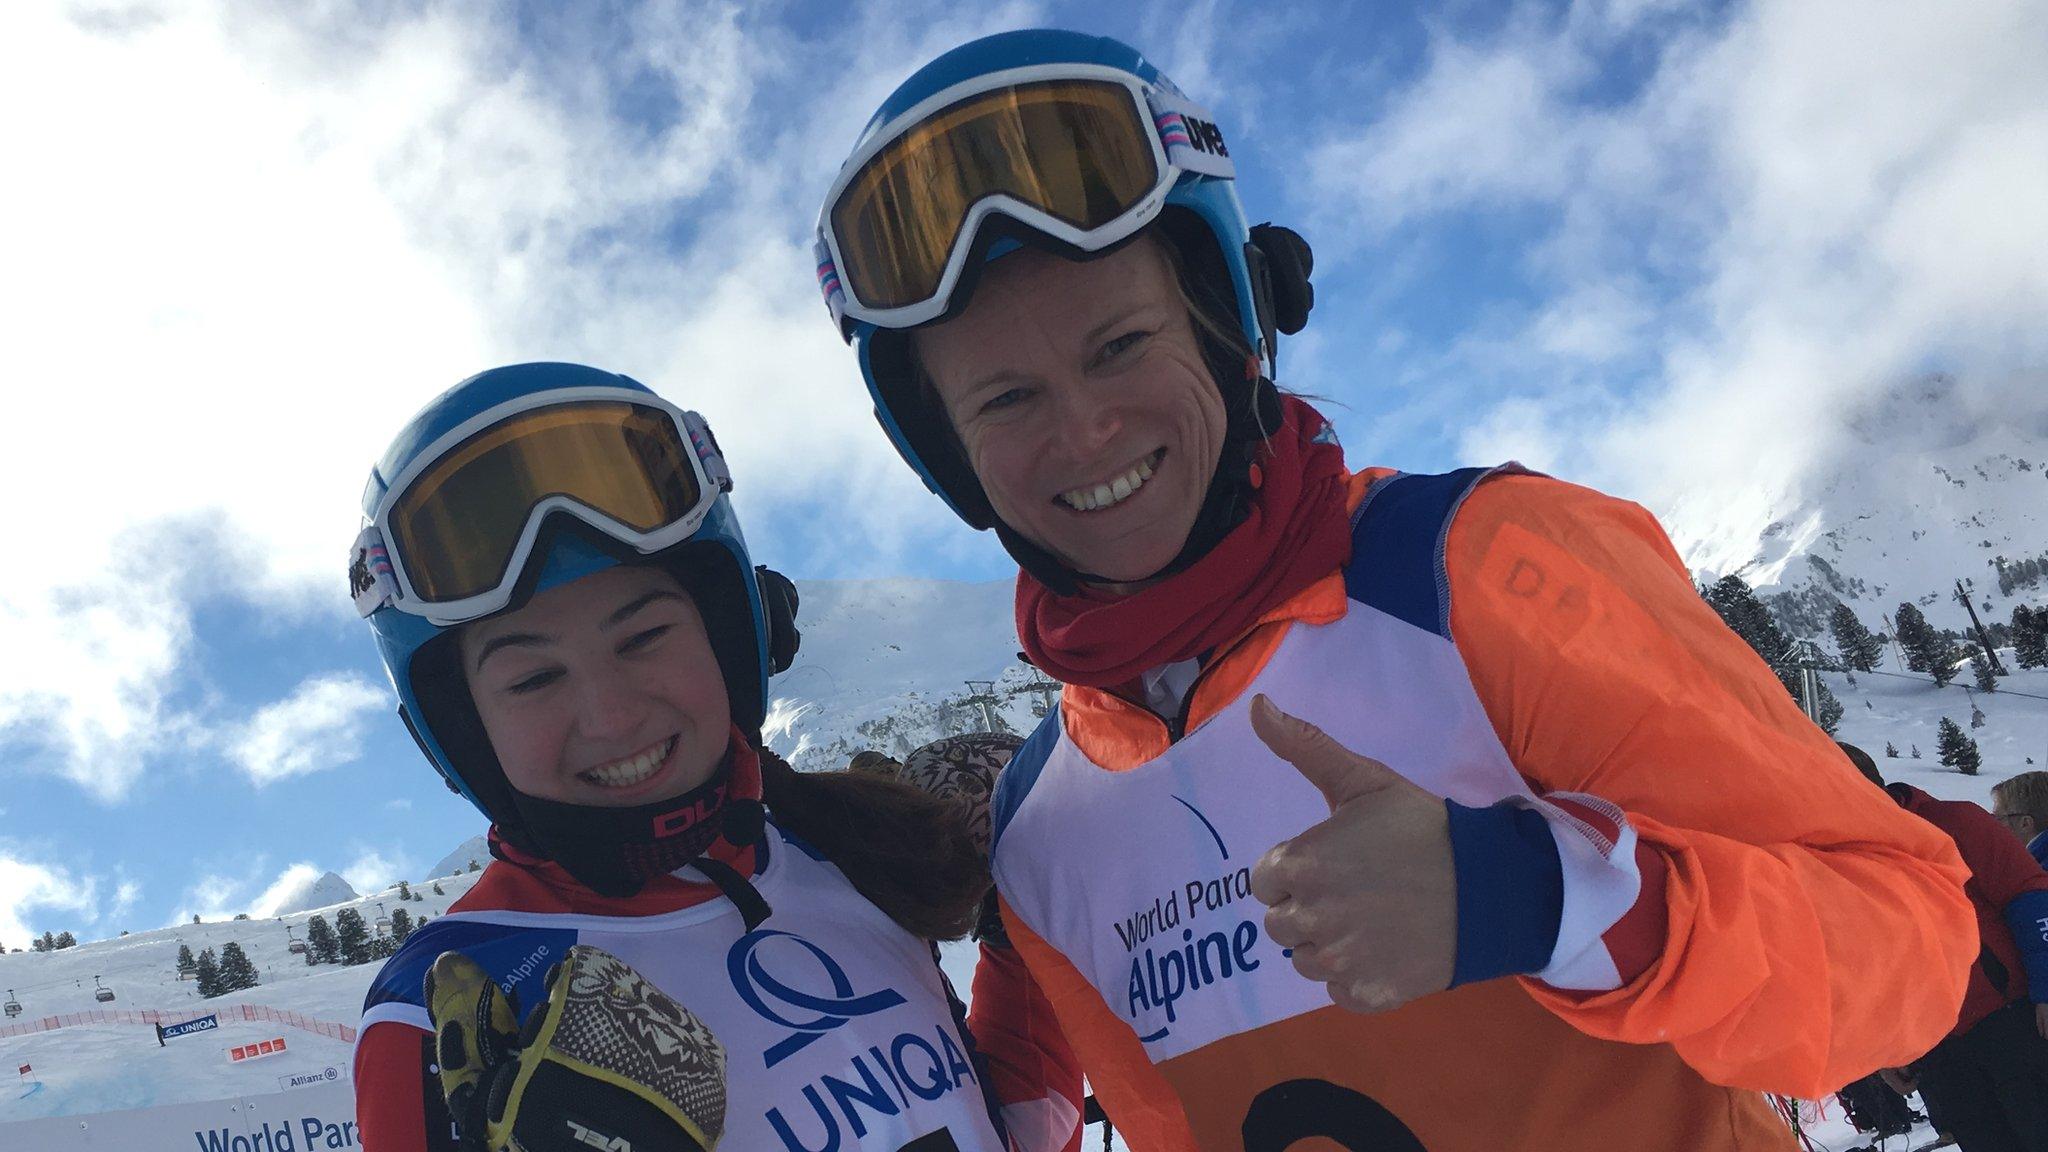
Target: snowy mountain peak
1925 484
322 891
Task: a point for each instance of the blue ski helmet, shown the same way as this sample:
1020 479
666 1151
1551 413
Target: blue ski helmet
1257 275
752 636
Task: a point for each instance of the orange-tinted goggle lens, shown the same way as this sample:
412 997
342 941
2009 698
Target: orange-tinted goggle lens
456 527
1078 150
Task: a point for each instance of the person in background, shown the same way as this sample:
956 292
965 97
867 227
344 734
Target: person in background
2021 804
1986 1083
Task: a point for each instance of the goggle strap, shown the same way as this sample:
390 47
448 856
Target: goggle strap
828 281
708 453
370 577
1193 141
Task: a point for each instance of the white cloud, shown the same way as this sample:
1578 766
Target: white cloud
288 884
1803 204
280 230
373 871
320 725
126 895
213 897
34 896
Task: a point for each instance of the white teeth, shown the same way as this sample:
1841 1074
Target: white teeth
1113 491
631 771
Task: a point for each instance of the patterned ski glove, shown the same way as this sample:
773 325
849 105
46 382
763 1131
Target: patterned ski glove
964 769
607 1062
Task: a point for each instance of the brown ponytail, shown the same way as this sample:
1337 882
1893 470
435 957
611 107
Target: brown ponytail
909 852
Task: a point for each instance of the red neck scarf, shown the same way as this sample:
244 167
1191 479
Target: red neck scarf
1298 531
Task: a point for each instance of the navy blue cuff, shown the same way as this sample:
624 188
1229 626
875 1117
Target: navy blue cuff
1510 890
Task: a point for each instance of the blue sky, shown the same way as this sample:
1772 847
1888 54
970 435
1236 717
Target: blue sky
1630 241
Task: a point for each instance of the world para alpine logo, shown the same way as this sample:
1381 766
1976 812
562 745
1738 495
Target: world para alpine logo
778 975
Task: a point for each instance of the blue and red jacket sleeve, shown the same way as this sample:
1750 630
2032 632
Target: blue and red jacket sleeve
2004 877
1032 1068
396 1109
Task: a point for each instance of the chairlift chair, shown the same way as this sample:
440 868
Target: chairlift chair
383 921
13 1006
297 947
101 992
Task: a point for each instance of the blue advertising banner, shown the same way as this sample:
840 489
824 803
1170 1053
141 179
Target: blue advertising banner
202 1024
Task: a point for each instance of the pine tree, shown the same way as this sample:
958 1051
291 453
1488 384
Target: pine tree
48 942
1916 751
1830 711
1976 715
473 867
186 964
1958 751
437 889
1859 648
236 973
353 938
1732 600
404 890
66 940
401 926
1981 669
1926 651
2030 636
208 970
1891 750
321 945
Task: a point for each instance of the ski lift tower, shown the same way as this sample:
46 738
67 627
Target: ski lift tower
1046 690
982 694
1807 657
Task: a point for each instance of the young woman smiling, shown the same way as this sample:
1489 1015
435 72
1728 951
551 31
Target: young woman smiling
581 646
1538 854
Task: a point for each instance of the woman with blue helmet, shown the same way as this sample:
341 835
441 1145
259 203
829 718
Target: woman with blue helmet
581 646
1591 837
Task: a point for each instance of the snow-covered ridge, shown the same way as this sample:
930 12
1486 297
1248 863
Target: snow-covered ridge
1926 484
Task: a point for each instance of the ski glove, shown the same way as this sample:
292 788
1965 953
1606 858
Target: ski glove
607 1061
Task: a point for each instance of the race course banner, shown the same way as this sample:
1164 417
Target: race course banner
317 1118
202 1024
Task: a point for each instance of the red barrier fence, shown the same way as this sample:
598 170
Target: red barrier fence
245 1012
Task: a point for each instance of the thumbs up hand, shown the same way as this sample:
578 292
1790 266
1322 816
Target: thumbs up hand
1367 899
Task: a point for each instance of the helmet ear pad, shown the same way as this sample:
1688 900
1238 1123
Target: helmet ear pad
1288 262
779 603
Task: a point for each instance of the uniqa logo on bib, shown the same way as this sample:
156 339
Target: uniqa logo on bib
810 1014
797 985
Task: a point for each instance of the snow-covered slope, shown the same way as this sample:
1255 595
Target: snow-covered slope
1923 486
101 1067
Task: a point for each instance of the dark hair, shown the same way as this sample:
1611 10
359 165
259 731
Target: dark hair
903 848
1862 761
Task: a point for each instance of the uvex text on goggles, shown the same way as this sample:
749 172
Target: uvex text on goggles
453 533
1083 154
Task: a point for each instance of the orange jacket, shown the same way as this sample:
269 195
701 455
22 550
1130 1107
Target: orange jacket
1795 931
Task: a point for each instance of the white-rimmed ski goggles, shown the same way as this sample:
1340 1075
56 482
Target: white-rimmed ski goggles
1083 154
453 533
